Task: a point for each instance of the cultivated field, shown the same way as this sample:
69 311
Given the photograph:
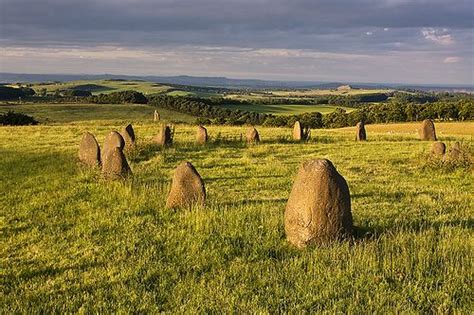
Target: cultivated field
301 93
72 242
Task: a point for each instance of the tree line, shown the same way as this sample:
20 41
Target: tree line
400 107
393 111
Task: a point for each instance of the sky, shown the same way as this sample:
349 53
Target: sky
380 41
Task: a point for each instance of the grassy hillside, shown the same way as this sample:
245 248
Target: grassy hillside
109 86
72 242
105 86
64 113
303 93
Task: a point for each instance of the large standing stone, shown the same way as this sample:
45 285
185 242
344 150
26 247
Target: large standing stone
319 206
201 135
115 165
360 132
297 131
89 150
427 131
438 148
252 135
300 133
156 116
113 140
128 135
187 188
164 136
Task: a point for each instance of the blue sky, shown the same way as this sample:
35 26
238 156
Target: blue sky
401 41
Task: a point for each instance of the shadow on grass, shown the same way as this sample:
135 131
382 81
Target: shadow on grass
247 202
32 272
214 179
363 233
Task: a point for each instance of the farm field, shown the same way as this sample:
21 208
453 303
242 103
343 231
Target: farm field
302 93
68 235
285 109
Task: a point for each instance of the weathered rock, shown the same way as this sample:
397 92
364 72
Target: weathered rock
360 132
89 150
156 116
300 133
319 206
252 135
128 135
201 135
115 165
438 148
456 151
297 131
113 140
187 188
427 131
164 137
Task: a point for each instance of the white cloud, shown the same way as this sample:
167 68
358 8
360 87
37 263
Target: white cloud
438 36
369 33
451 60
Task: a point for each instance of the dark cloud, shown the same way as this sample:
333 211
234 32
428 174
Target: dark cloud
439 28
234 19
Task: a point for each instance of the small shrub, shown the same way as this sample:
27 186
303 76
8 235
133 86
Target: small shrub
11 118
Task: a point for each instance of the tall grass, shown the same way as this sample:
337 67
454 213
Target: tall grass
72 242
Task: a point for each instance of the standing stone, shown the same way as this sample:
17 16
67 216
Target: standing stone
113 140
201 135
360 132
427 131
456 151
438 148
252 135
128 136
164 136
319 206
297 131
115 165
156 116
89 150
187 188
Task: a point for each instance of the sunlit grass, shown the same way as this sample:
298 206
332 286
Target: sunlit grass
62 113
72 242
285 109
106 86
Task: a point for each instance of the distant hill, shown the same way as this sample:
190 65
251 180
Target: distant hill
223 82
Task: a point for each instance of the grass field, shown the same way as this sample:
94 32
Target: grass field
301 93
64 113
286 109
71 242
319 92
109 86
105 86
147 87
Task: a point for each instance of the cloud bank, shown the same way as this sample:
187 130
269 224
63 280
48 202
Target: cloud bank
417 41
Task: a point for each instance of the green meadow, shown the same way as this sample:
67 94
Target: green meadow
285 109
104 86
71 113
72 242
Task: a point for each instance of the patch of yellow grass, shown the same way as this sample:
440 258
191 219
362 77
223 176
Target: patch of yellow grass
442 128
